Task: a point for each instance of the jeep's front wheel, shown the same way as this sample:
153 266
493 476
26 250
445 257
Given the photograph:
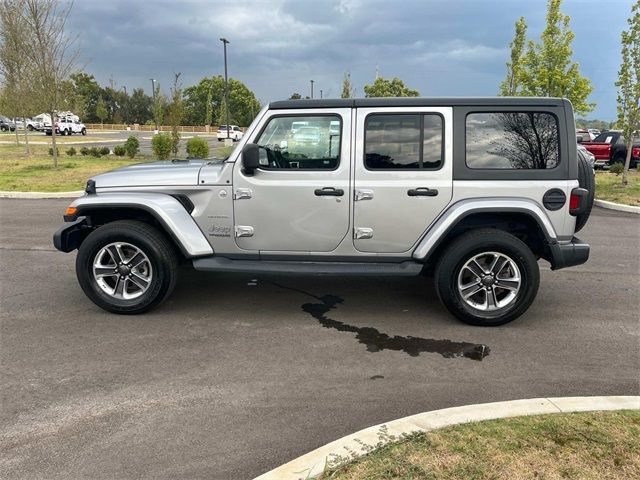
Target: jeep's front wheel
487 277
126 267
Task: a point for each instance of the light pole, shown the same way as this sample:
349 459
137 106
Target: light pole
320 93
153 89
226 83
311 88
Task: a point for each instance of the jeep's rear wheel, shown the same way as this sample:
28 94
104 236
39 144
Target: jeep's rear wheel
586 180
126 267
487 277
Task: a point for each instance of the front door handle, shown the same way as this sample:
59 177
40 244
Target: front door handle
422 192
329 192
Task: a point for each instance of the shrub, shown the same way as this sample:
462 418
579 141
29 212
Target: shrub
51 151
94 152
105 151
161 146
616 168
84 151
132 146
197 147
119 150
71 152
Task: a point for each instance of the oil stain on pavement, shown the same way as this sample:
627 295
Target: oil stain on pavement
377 341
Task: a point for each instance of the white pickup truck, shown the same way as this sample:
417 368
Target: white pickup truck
67 126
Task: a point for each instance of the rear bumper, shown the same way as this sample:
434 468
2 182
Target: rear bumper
569 254
69 236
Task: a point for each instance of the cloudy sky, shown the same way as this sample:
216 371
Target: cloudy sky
440 47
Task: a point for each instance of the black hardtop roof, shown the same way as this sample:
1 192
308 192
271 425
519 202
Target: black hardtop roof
417 102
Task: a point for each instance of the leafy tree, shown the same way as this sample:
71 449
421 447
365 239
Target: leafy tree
140 106
208 116
389 88
347 88
197 147
132 146
243 104
629 84
51 54
511 85
548 69
176 112
87 89
295 96
101 110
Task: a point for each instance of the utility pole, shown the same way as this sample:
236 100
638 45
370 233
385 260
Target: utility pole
320 93
226 84
153 89
311 88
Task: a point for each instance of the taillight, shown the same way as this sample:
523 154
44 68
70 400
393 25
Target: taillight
578 201
635 151
574 202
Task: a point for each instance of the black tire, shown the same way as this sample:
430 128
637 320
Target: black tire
84 131
465 248
586 180
3 128
160 252
30 127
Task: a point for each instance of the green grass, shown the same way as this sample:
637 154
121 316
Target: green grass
35 173
609 187
591 445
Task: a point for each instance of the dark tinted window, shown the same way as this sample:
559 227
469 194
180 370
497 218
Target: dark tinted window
297 142
407 141
512 140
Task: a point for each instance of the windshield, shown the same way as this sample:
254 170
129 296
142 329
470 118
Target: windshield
605 137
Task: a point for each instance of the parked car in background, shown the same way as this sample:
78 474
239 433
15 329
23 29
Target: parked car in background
34 124
587 155
67 126
6 124
235 133
594 131
610 147
584 135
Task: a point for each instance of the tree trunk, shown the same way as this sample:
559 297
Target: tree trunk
26 137
54 149
627 162
16 130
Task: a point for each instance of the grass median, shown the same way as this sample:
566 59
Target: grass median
19 173
610 188
577 445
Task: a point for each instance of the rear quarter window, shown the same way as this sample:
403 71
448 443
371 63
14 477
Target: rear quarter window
512 140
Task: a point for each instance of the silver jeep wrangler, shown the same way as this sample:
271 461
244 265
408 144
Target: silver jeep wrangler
470 190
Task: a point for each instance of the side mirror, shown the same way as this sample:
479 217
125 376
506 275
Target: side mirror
250 158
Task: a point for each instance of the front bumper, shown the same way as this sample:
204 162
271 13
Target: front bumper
70 236
564 255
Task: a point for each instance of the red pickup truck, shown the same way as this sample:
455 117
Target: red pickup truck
610 147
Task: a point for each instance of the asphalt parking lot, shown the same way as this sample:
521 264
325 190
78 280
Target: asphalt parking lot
236 374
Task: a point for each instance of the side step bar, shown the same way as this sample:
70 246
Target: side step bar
222 264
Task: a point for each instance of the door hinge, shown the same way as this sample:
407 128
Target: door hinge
363 233
243 231
363 195
240 193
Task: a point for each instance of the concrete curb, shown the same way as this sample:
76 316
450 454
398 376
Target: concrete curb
37 195
616 206
312 464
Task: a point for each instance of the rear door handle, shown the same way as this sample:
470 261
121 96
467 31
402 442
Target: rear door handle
329 192
422 192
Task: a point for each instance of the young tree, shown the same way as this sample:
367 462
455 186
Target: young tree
14 64
51 54
101 110
347 89
176 112
159 105
511 85
629 84
548 69
295 96
389 88
208 116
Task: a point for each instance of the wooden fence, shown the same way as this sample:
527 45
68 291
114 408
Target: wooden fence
150 128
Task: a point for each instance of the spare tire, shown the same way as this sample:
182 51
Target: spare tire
586 180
